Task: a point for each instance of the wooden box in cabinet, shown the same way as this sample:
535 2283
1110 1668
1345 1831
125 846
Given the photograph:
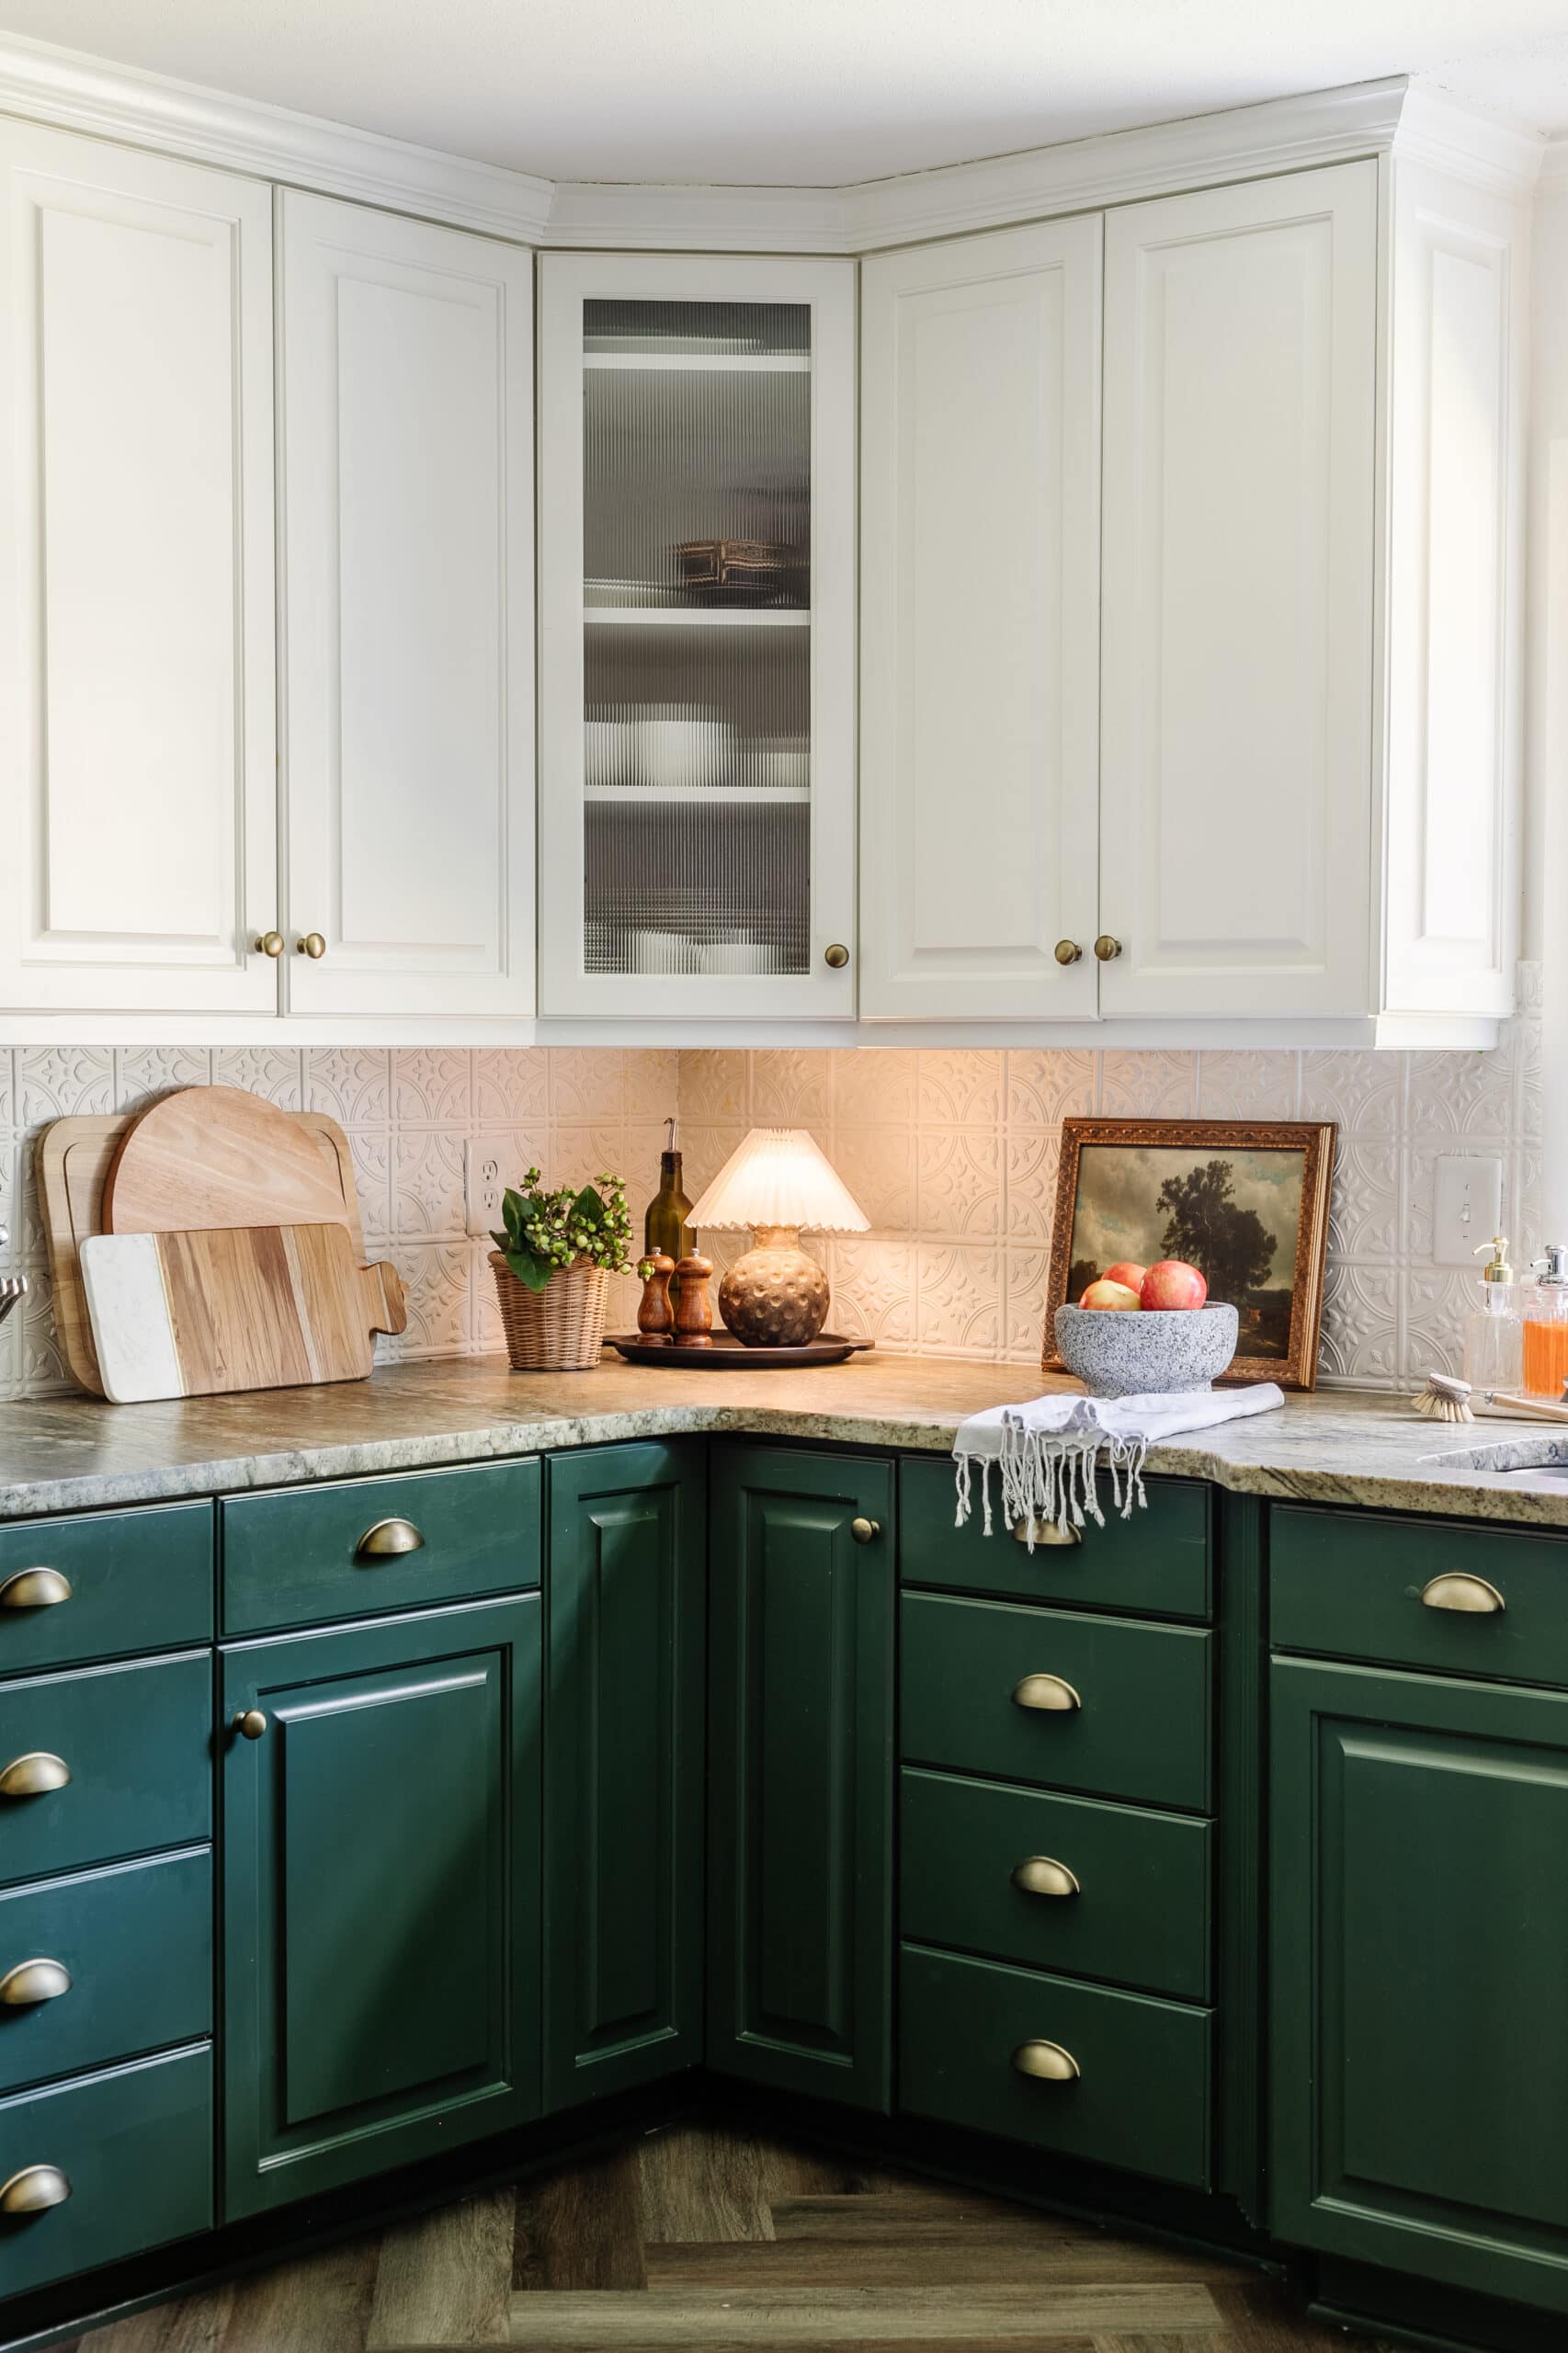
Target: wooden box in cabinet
1155 1563
104 1584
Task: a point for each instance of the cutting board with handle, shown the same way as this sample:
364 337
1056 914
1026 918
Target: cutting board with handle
200 1314
217 1156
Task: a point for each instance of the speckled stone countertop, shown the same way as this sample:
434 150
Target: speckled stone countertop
76 1454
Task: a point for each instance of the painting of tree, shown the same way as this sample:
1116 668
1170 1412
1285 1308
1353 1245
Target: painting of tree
1206 1225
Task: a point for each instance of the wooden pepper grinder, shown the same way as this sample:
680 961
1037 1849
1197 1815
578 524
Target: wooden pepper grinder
656 1316
694 1309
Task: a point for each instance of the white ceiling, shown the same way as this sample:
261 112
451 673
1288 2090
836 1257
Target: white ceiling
803 92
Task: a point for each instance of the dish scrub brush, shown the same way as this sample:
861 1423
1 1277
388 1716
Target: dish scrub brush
1444 1399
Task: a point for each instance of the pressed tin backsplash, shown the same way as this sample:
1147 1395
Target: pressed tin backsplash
952 1155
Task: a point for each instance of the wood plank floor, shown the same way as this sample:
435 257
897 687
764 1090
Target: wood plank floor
710 2239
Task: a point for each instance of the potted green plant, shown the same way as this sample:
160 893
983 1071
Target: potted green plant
552 1265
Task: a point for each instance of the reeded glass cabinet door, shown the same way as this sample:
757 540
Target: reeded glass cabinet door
697 533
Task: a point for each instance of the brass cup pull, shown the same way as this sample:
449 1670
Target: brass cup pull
1106 949
1043 1875
33 2190
33 1775
270 944
34 1589
389 1537
836 956
34 1980
1048 2063
313 945
1459 1590
250 1723
1047 1692
1068 951
865 1532
1045 1531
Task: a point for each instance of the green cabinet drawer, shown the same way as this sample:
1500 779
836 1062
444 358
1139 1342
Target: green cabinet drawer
135 2147
305 1556
135 1943
1139 2099
1138 1727
1156 1563
1114 1891
1349 1585
137 1744
103 1585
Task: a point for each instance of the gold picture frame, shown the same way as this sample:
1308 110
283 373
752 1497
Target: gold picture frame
1151 1179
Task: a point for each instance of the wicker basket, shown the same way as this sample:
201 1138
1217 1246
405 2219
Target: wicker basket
558 1329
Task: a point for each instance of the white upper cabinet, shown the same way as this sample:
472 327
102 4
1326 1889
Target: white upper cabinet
1237 800
979 626
136 580
407 602
697 563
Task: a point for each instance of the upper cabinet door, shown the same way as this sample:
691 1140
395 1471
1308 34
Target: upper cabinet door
1237 846
407 588
136 604
979 626
697 556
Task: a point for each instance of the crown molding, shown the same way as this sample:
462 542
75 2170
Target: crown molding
1498 156
1553 178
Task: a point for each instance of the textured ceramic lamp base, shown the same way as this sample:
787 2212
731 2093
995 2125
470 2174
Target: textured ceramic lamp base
774 1297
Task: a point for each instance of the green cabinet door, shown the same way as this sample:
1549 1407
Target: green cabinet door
381 1891
1419 1901
626 1602
800 1771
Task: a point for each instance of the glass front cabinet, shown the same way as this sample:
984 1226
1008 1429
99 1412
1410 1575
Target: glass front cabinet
696 503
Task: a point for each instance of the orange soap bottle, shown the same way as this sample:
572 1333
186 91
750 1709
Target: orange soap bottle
1546 1326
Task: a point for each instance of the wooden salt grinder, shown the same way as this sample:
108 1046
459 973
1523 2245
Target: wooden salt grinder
694 1309
656 1316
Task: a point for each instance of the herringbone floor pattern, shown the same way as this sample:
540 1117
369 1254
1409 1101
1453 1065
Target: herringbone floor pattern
707 2239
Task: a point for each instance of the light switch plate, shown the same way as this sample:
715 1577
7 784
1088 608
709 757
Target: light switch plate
1467 1209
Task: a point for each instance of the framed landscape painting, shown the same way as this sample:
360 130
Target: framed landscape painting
1245 1202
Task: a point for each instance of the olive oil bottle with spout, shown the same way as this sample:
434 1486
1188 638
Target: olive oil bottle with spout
667 1226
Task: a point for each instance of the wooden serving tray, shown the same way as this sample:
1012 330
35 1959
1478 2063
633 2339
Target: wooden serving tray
729 1355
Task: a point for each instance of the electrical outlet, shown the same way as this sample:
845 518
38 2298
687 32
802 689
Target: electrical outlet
1466 1209
483 1183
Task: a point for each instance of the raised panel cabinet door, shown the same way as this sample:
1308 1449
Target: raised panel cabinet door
1236 712
381 1889
1419 1920
980 625
136 581
407 586
626 1602
800 1724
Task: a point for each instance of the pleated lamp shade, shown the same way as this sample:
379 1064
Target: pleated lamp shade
779 1176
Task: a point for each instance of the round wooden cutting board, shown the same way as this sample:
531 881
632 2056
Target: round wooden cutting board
215 1156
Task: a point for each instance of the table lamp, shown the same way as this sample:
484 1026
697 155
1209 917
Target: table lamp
777 1181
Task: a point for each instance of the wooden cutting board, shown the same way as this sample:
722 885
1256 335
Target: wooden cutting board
201 1314
216 1156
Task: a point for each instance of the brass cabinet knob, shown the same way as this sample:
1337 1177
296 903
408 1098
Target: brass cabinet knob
1046 2062
1045 1531
1043 1875
34 1980
313 945
33 2189
1047 1692
1106 949
865 1532
250 1723
837 956
1068 951
1459 1590
34 1775
34 1589
389 1536
270 944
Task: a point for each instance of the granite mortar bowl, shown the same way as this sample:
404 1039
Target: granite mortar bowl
1129 1352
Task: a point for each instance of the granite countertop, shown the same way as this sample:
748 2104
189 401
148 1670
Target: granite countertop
77 1453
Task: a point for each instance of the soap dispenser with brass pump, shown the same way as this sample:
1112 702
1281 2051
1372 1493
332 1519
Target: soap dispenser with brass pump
1492 1332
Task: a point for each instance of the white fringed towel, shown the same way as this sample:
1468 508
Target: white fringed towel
1047 1449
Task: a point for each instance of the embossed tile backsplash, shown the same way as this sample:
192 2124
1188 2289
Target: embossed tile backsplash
952 1154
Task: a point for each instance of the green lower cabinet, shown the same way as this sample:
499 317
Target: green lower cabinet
380 1884
626 1596
800 1723
1419 1907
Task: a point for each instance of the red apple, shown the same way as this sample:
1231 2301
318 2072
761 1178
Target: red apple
1128 1272
1171 1282
1104 1293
